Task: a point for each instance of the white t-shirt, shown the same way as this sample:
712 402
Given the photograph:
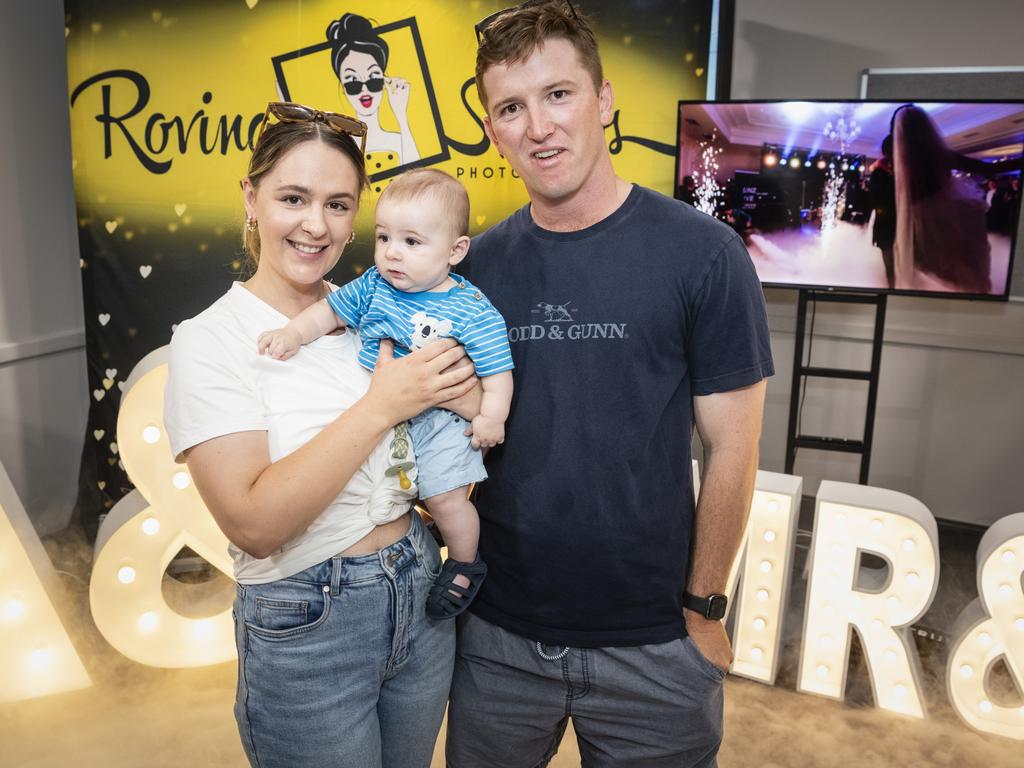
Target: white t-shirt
220 385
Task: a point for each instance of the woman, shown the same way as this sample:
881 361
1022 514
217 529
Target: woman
941 234
337 663
360 57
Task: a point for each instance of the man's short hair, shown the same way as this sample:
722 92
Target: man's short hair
430 182
514 35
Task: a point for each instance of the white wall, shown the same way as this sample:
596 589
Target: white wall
949 427
43 385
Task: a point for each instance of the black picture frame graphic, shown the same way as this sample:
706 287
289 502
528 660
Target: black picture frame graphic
423 162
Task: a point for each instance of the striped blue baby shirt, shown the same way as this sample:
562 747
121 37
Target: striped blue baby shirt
412 320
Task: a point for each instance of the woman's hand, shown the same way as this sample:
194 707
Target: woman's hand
398 95
429 376
467 405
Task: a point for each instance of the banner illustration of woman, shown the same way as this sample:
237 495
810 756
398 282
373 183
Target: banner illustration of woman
360 59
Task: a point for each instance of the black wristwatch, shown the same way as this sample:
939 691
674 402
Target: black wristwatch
711 607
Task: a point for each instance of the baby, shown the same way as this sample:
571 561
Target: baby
422 220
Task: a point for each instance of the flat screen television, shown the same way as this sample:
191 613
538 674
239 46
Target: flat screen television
877 196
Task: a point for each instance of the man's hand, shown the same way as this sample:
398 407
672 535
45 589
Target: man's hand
280 344
710 638
487 432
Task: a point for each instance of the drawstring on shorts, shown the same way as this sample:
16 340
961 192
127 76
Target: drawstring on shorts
557 657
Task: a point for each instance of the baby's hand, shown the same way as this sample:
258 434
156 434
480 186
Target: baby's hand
280 344
487 432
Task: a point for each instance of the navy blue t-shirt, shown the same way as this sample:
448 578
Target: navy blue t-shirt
587 515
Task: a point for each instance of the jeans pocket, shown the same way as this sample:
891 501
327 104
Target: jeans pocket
703 662
431 560
429 555
284 609
281 614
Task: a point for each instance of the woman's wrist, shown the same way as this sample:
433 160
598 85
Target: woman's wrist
380 415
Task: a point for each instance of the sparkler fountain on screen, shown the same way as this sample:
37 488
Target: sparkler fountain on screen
834 195
708 190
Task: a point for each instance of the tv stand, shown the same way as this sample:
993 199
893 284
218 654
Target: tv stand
802 372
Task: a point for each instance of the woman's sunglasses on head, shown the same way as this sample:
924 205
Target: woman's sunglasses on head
290 112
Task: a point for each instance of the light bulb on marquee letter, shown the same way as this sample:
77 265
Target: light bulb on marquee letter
851 519
36 654
143 533
990 628
763 567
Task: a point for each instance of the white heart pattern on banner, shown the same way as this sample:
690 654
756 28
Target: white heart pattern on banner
111 372
113 448
144 270
99 433
98 394
120 385
180 208
104 318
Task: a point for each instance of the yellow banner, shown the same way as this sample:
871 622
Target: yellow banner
165 102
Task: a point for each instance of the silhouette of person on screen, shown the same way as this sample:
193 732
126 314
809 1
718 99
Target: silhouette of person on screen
882 187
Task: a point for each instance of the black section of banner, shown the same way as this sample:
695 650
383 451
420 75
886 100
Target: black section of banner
615 145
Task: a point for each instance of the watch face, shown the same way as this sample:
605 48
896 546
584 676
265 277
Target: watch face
716 606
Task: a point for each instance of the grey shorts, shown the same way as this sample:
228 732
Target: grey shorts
445 457
651 706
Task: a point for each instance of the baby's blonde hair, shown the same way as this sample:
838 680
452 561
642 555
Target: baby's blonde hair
424 182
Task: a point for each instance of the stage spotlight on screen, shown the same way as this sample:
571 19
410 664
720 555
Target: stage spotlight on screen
820 164
770 160
794 162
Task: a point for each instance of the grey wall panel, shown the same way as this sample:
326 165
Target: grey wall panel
43 390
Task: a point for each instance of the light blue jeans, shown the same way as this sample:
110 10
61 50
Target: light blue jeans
339 667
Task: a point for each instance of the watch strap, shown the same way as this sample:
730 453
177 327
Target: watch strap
710 607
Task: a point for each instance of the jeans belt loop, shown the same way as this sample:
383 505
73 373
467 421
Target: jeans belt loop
336 566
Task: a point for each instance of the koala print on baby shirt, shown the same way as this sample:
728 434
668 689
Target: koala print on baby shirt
427 329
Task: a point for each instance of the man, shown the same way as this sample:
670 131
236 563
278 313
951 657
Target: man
632 316
883 198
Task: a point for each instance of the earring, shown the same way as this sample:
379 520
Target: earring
352 238
250 223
